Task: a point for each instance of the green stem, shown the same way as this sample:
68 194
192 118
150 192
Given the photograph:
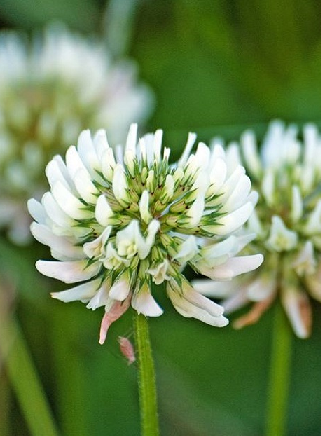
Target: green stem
24 380
146 378
279 379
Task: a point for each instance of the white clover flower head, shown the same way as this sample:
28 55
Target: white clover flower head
287 221
135 221
51 88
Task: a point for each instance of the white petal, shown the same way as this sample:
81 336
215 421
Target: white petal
143 207
233 267
239 194
120 184
87 152
169 187
232 221
210 288
199 161
108 164
37 211
196 211
187 250
83 292
58 244
53 173
202 302
69 271
202 312
69 203
54 211
218 174
73 161
189 145
144 303
297 307
85 187
101 298
103 211
131 141
157 144
219 250
100 143
120 289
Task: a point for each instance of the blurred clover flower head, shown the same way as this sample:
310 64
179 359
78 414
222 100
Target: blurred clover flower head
287 222
51 88
120 224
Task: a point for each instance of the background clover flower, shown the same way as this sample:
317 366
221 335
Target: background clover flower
50 89
287 221
119 225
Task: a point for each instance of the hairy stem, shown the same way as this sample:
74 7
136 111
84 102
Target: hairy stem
146 378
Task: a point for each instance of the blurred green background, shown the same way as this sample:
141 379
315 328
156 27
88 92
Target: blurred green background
216 67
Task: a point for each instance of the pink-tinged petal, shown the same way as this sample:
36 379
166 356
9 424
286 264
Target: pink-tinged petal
144 303
69 271
115 312
83 292
59 245
127 349
233 267
313 283
298 309
254 314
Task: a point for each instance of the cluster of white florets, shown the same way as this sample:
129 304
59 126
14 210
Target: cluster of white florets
51 88
122 223
287 222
